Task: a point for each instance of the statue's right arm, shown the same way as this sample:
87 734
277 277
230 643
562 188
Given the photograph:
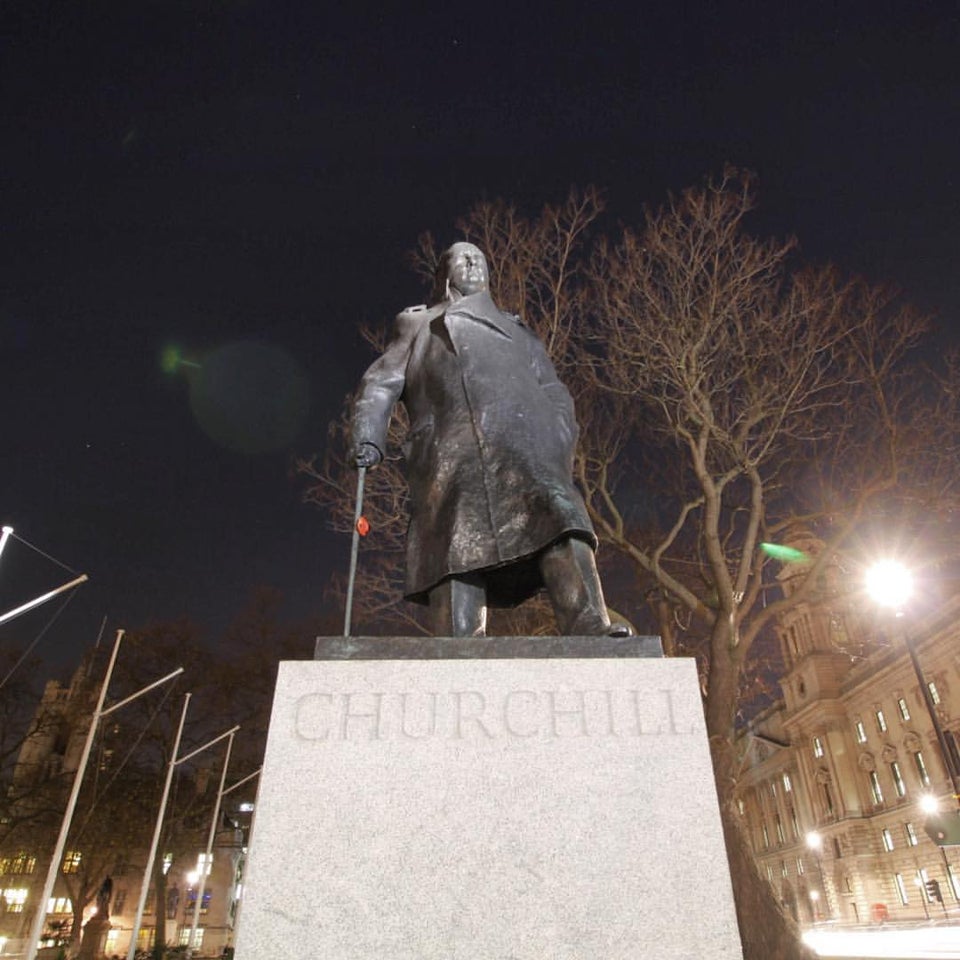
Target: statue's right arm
380 389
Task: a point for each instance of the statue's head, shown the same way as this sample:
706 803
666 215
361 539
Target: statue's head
462 270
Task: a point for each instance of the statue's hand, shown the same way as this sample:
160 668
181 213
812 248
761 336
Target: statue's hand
367 455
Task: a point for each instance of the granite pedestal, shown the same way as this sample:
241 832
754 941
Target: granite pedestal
551 802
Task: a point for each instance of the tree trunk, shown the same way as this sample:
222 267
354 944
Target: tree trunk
766 932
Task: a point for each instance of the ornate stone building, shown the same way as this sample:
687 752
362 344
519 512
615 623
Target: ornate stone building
838 778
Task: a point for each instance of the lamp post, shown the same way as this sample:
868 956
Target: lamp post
815 845
890 584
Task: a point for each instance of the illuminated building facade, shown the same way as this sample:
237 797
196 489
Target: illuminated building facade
838 777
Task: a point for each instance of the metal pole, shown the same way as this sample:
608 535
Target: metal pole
39 919
141 903
30 604
934 719
209 852
354 550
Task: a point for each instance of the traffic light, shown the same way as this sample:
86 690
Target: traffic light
933 890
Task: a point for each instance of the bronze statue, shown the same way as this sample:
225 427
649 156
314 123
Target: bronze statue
494 514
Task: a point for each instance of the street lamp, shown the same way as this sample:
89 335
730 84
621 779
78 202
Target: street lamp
815 845
890 584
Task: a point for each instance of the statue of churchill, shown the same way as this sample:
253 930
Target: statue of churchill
494 514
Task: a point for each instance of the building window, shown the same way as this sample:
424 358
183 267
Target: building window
817 747
59 905
20 864
167 862
740 806
783 868
119 899
837 849
765 834
898 783
15 899
887 837
71 861
799 866
911 833
779 826
954 882
204 864
794 823
901 888
875 790
922 878
828 799
881 721
861 731
773 789
934 693
787 785
921 768
903 708
769 873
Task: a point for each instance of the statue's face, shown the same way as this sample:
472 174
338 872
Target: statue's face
466 269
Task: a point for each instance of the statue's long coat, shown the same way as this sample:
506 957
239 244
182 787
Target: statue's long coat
490 448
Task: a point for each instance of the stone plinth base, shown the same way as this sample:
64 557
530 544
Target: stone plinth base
487 809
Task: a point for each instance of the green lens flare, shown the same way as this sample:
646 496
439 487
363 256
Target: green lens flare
170 359
784 554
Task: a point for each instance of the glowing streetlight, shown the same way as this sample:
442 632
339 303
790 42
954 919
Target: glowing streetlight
929 804
890 584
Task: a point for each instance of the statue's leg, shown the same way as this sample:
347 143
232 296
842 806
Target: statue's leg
573 585
458 607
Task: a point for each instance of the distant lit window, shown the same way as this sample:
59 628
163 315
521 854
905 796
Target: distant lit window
185 938
898 783
911 832
246 807
875 790
794 823
741 806
787 785
773 789
799 866
59 905
861 731
903 708
783 868
764 834
204 864
901 888
779 826
71 861
934 693
20 864
887 838
817 747
921 881
15 899
881 721
921 768
167 861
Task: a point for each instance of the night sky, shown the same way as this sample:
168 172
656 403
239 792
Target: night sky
202 200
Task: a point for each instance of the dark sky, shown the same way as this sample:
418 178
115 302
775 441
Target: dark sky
235 184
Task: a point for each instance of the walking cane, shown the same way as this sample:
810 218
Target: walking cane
360 529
